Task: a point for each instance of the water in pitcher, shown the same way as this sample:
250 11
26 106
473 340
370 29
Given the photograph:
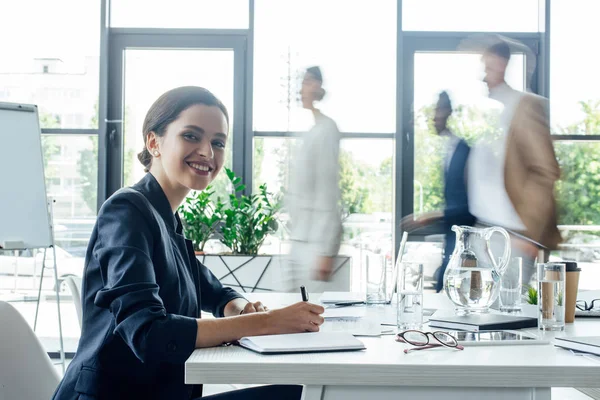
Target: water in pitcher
472 278
474 288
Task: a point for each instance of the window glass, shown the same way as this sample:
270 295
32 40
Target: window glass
578 191
51 58
71 168
366 171
475 115
470 15
574 66
205 14
354 43
578 197
151 72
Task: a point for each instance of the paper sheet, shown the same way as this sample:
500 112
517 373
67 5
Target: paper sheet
357 326
344 312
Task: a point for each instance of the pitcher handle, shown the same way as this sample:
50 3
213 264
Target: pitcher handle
499 269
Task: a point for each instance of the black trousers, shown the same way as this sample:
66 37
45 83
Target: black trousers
270 392
449 244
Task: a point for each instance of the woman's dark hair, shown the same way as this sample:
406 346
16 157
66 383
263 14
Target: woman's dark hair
316 72
317 75
167 108
500 49
444 102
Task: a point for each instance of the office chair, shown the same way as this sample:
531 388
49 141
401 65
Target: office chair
26 371
74 283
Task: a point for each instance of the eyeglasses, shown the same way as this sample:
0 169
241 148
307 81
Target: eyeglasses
421 340
583 305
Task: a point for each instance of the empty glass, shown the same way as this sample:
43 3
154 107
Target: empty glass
511 286
551 296
410 295
376 279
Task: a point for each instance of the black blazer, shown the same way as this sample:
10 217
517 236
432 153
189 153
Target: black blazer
143 289
456 211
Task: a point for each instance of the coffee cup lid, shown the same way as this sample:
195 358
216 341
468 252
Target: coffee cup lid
571 266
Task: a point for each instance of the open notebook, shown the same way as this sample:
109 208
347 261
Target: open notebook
302 342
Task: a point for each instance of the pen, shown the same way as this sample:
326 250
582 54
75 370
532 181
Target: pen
303 293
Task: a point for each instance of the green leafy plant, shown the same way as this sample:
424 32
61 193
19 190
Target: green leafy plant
200 217
559 300
532 295
248 220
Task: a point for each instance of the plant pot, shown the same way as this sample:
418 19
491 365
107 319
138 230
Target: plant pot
264 273
529 310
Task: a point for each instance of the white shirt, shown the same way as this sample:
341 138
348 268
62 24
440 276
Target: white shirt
314 193
488 200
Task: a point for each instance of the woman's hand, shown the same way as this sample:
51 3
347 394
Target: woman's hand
257 306
299 317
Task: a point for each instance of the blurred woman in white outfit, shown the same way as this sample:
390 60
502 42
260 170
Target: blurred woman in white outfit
313 197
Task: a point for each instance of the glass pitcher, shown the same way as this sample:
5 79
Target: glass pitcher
472 277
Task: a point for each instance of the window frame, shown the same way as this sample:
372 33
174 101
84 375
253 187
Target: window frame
403 141
121 39
103 4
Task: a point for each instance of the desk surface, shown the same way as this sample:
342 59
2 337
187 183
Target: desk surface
384 363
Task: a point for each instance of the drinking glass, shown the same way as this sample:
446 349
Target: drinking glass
551 296
376 279
511 286
410 295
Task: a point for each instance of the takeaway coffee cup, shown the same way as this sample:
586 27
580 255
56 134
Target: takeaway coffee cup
571 287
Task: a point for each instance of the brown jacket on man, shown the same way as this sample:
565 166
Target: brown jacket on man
531 169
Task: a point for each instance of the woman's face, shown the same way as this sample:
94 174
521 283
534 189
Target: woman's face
309 90
192 150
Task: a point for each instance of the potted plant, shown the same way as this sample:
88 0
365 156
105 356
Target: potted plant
532 295
530 307
248 220
243 225
200 217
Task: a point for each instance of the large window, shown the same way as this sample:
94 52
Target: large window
354 43
574 86
50 57
575 122
470 15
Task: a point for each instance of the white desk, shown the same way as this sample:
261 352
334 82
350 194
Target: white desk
383 371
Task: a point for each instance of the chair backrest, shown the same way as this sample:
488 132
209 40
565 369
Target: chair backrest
26 371
74 283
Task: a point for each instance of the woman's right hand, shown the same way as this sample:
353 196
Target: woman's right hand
299 317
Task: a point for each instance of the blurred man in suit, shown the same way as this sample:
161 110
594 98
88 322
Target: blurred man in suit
512 177
456 210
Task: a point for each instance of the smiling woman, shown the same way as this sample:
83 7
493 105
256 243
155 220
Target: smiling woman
192 152
143 288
